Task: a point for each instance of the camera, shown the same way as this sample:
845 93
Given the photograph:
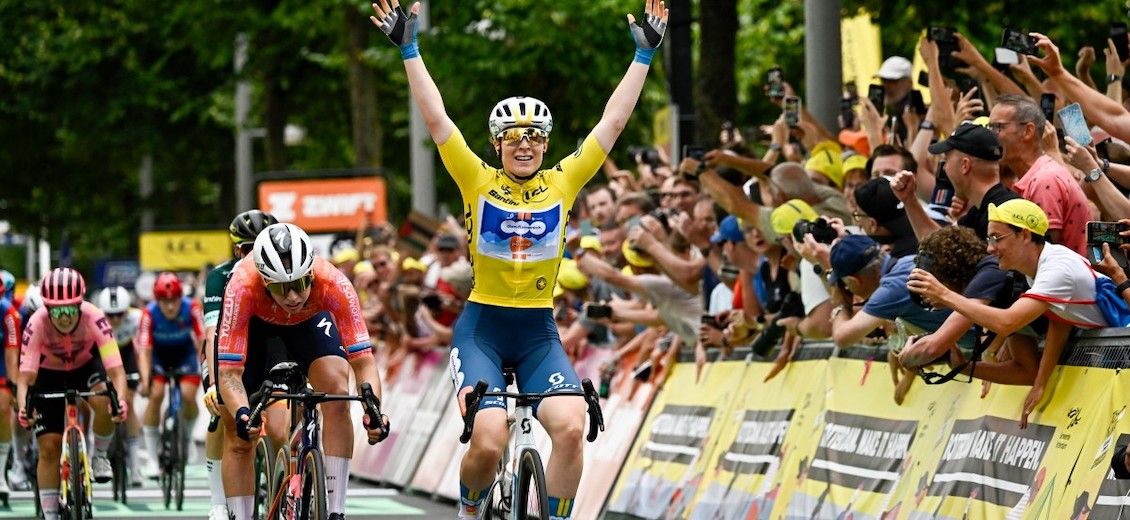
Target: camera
663 215
775 83
596 311
821 230
645 154
946 38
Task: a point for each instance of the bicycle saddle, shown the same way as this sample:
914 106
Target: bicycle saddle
287 373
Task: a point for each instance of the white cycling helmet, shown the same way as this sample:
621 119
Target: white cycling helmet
113 300
520 111
283 253
32 300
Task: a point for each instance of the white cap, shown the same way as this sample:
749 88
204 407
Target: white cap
895 67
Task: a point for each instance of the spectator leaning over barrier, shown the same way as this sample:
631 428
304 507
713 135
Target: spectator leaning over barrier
1019 125
861 268
970 159
884 218
816 322
1058 277
957 258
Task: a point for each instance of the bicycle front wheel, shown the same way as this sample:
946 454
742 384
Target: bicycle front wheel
313 501
76 480
264 491
180 454
166 462
530 500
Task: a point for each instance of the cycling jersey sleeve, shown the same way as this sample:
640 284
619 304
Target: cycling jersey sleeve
343 303
31 345
462 164
12 329
214 295
231 346
197 320
103 335
144 338
582 165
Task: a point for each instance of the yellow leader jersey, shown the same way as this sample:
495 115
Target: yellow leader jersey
517 231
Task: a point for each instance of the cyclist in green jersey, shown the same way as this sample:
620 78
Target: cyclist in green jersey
243 230
516 218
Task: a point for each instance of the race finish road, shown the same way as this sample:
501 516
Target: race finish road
365 502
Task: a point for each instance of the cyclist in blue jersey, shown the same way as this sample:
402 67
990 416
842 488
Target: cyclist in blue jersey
516 218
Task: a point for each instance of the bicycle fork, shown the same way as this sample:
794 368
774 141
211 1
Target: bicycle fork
521 431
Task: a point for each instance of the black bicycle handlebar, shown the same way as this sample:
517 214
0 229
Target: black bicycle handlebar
270 392
474 398
110 391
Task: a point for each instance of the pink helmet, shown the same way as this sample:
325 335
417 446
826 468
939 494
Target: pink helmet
62 286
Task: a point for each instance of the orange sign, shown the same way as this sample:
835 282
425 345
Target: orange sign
326 204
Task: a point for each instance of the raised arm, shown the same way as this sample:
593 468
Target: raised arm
1099 109
647 35
400 27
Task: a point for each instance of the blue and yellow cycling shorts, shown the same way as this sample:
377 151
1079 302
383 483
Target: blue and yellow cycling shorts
487 338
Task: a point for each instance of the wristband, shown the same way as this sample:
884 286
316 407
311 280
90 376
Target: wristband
643 56
409 50
775 147
1122 287
242 426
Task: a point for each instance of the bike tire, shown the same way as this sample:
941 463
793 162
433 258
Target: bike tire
76 487
530 473
312 505
178 461
264 470
164 459
278 480
119 465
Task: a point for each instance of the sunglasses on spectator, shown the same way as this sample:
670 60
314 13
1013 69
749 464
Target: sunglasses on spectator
63 310
281 289
679 194
513 136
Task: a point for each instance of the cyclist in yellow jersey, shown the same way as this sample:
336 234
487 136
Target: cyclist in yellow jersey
516 219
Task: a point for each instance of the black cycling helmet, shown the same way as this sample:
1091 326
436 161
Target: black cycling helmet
247 225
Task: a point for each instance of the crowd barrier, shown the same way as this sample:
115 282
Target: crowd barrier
824 439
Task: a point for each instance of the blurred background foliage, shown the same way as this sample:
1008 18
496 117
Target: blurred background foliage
87 89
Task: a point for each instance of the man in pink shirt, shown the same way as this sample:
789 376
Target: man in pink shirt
1019 125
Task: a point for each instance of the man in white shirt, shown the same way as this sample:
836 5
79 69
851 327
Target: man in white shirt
1062 282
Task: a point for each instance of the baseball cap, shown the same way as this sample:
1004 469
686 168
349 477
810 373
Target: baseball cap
593 243
856 140
447 242
569 276
729 230
635 258
348 254
413 263
895 67
972 139
784 217
851 254
876 198
855 162
825 158
1021 213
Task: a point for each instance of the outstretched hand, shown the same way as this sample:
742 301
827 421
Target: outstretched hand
649 34
400 27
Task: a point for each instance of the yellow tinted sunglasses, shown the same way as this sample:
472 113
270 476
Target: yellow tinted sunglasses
515 135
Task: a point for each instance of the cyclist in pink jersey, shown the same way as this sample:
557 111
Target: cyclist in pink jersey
283 291
57 354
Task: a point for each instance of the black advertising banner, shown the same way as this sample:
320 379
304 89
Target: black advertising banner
678 433
758 442
862 452
991 458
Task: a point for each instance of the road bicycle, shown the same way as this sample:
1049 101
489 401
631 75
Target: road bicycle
173 451
75 489
299 476
518 491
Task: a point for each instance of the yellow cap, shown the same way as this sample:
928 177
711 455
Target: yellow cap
635 258
591 242
785 216
570 277
1021 213
855 162
346 255
825 158
363 267
557 290
982 121
412 263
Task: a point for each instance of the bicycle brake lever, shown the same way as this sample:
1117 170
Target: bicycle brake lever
472 400
596 417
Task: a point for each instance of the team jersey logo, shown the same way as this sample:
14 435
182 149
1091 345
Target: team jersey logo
519 235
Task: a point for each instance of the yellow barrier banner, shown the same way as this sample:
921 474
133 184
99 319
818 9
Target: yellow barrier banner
858 458
183 250
669 458
1093 488
990 468
861 51
767 418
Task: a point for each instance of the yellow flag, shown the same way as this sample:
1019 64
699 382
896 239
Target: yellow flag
861 51
920 68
